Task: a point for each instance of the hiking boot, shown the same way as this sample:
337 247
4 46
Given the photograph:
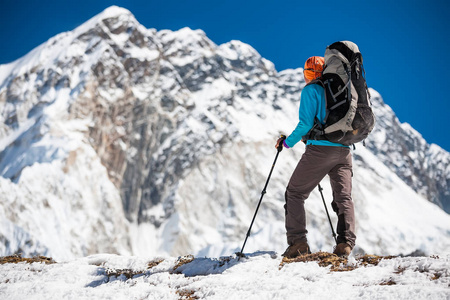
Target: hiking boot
296 250
342 250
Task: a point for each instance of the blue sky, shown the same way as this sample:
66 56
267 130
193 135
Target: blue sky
404 43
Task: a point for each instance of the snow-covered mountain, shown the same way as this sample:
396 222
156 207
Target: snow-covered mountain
424 167
121 139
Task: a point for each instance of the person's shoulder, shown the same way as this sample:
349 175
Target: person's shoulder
313 87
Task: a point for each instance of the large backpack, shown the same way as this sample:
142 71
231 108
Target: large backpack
349 118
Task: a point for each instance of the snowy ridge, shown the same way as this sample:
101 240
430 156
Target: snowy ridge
159 143
424 167
48 52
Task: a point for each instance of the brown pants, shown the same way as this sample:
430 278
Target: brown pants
316 162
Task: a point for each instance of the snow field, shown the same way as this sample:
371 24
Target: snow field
259 276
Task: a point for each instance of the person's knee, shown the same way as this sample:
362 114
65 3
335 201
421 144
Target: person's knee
342 204
296 194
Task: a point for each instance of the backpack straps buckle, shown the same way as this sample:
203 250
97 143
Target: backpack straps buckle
315 132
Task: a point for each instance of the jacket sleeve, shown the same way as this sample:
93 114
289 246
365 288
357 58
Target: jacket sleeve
308 110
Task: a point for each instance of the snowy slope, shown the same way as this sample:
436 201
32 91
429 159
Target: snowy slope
424 167
121 139
261 276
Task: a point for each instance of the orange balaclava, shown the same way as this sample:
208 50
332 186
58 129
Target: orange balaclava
313 68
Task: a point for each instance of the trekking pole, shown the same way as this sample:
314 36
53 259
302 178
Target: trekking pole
279 149
328 215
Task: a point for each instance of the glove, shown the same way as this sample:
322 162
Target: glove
281 141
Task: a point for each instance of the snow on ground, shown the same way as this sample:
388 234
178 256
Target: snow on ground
259 276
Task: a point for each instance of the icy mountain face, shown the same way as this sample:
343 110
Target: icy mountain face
424 167
118 138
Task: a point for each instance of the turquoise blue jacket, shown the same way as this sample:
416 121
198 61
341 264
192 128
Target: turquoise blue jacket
312 104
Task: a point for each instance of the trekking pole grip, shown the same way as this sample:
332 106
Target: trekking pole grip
280 145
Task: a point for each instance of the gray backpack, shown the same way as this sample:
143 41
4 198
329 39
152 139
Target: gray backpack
349 118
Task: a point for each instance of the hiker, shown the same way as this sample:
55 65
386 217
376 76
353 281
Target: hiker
321 157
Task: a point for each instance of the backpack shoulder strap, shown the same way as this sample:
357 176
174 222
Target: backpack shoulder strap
317 81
